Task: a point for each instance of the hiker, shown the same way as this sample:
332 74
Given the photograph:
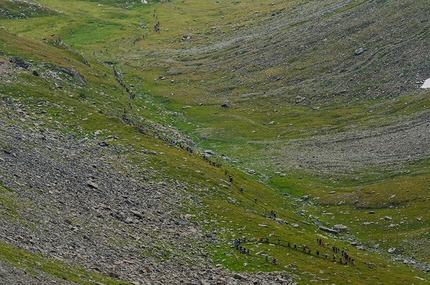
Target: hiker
231 178
241 190
274 261
255 200
157 27
326 256
267 258
236 244
279 241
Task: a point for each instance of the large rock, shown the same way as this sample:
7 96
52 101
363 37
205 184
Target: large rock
340 228
328 230
18 61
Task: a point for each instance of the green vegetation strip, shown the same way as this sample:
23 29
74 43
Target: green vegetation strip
34 263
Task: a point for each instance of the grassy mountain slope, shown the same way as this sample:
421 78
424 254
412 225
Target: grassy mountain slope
299 93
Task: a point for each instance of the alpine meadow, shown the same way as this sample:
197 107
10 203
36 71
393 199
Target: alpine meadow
207 142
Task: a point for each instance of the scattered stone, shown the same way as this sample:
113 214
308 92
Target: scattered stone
300 99
137 214
92 185
328 230
227 104
238 277
359 51
18 61
209 152
340 228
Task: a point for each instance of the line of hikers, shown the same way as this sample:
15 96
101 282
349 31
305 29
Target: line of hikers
344 258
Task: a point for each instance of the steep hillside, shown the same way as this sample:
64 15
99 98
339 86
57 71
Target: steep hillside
135 156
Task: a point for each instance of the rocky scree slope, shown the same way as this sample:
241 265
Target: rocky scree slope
82 209
340 51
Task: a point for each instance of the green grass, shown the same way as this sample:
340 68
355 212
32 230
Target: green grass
106 33
35 263
8 204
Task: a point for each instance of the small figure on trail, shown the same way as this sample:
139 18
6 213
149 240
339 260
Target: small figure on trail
255 200
157 27
279 241
273 214
274 261
236 243
241 190
267 258
326 256
230 178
